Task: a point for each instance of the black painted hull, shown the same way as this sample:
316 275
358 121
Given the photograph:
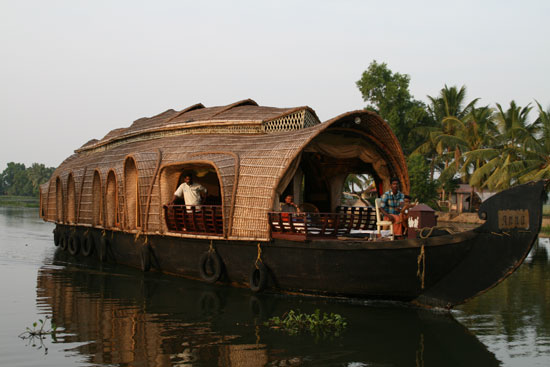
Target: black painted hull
440 271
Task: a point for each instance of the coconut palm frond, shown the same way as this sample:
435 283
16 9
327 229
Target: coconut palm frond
480 175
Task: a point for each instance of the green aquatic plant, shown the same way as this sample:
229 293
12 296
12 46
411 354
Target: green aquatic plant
39 331
317 324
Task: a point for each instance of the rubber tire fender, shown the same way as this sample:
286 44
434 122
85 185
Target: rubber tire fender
145 257
216 263
88 245
74 244
63 241
258 277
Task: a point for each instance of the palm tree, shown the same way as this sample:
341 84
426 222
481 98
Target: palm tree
447 110
537 162
446 143
505 161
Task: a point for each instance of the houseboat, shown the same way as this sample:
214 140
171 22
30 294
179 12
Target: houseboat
112 200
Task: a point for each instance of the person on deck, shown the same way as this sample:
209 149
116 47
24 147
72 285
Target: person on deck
391 204
192 193
288 206
405 213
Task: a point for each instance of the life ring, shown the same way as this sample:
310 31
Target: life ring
88 245
56 236
258 277
103 247
145 256
63 239
74 244
210 266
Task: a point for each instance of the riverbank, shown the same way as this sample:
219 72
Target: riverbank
19 201
471 220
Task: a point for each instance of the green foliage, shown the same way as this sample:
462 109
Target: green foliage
387 93
493 148
38 333
19 201
17 180
422 187
295 322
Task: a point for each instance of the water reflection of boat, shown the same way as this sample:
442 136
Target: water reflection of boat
119 317
109 200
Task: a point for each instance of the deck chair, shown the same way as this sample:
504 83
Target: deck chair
309 208
382 223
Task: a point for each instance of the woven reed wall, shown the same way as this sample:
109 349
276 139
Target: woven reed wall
111 201
85 206
146 167
50 201
131 192
71 200
97 200
59 200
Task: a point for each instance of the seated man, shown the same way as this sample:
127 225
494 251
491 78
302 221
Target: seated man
405 213
192 193
390 206
288 206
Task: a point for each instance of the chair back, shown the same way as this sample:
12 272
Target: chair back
309 208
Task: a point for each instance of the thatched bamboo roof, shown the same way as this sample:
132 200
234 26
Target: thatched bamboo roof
249 146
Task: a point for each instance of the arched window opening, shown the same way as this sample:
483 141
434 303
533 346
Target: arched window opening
111 201
71 200
131 194
59 215
330 188
97 200
197 207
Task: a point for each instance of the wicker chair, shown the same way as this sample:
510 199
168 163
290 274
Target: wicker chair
308 208
382 223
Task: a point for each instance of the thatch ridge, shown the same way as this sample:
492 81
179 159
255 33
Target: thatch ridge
244 102
196 106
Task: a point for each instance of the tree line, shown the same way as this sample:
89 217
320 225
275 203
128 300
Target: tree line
452 140
19 180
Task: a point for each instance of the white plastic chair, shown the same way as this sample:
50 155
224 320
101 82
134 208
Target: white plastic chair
382 223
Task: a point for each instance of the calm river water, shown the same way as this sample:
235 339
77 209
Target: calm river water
116 316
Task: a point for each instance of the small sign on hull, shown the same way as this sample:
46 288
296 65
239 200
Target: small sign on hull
508 219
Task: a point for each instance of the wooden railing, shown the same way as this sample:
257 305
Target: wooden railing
302 226
203 219
361 217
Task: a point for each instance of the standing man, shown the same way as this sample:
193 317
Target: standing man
192 193
390 206
288 206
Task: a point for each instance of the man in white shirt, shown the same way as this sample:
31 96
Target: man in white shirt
192 193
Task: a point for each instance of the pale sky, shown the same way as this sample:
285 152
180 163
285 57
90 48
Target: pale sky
73 70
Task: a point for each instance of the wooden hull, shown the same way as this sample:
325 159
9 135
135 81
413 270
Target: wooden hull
440 271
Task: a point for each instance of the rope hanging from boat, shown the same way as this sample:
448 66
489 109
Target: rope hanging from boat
211 247
259 257
421 259
138 234
430 230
